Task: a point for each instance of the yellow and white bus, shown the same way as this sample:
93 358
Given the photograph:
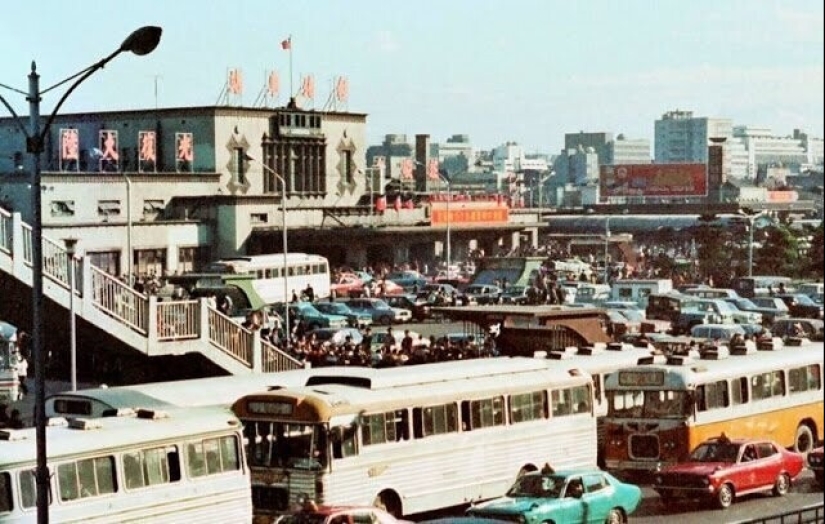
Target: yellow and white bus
272 280
146 466
415 439
658 413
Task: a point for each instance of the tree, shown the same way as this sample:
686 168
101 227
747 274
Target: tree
779 254
714 252
815 254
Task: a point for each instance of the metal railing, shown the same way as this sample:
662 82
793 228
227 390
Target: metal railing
120 301
5 231
814 513
179 320
231 337
273 359
175 320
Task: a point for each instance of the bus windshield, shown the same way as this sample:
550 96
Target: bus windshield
287 445
649 404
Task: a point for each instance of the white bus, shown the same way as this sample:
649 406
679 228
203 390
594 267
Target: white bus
146 466
657 414
414 439
271 280
212 391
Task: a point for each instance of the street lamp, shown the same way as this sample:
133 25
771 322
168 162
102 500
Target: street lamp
141 42
71 243
449 219
751 218
129 278
272 172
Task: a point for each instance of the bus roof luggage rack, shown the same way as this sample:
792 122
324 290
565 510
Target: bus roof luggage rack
590 350
793 341
84 423
12 435
743 349
118 412
769 344
679 360
715 353
559 355
615 346
152 414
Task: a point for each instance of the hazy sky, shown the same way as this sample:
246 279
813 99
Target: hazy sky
497 70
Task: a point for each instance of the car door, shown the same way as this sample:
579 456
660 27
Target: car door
572 505
745 474
770 463
598 497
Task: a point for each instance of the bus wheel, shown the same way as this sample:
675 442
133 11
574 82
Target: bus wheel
389 502
804 441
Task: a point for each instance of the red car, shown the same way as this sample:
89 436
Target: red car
815 460
721 469
347 285
312 514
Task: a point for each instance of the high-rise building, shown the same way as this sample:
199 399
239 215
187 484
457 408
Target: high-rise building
598 141
681 137
455 155
627 151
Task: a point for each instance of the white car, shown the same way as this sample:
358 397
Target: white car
402 315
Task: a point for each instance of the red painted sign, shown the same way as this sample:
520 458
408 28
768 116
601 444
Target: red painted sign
459 212
653 180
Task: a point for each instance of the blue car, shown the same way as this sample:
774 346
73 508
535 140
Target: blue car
570 496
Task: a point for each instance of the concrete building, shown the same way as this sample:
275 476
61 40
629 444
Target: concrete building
761 147
680 137
578 166
627 151
456 155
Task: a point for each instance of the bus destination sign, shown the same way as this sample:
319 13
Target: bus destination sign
642 378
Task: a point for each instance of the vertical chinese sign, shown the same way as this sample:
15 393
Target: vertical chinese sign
69 150
184 152
147 152
108 151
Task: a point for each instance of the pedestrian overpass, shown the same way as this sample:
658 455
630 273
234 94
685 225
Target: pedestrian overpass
141 322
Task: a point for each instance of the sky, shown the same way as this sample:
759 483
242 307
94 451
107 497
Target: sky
524 71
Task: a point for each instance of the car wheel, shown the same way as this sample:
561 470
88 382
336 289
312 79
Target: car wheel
724 497
615 517
782 485
386 320
804 440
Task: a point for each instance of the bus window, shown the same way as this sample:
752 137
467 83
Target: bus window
378 428
344 441
713 395
528 406
580 399
626 404
485 413
5 492
437 420
67 481
739 390
562 402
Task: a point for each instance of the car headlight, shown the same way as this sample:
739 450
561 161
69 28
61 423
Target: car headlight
706 481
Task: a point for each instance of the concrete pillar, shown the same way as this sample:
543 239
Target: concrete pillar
17 245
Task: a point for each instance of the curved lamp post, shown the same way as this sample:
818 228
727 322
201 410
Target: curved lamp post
272 172
141 42
752 221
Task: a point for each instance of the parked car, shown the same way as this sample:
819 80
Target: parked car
381 312
483 294
564 496
354 319
451 295
341 515
347 285
419 307
815 463
518 295
801 305
769 314
409 280
776 304
721 332
312 317
712 311
721 469
337 336
790 327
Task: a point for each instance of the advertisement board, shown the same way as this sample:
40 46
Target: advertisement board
484 213
653 180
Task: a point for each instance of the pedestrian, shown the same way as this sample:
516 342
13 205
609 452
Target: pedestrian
309 293
22 367
294 298
15 421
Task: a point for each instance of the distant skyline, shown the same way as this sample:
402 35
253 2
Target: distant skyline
527 71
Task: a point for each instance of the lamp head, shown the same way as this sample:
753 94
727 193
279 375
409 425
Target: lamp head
142 41
249 158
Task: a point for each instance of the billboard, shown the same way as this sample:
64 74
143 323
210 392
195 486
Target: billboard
464 212
653 180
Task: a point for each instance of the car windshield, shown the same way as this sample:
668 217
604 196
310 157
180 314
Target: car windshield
744 304
380 304
648 404
544 486
334 307
804 300
715 452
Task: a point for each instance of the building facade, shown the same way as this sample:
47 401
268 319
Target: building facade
680 137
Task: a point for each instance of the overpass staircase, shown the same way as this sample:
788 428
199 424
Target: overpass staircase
142 322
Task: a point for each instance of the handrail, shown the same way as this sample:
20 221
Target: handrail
5 231
807 514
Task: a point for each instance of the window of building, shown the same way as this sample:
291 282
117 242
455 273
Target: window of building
349 167
107 208
62 208
108 261
258 218
192 258
152 209
150 262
